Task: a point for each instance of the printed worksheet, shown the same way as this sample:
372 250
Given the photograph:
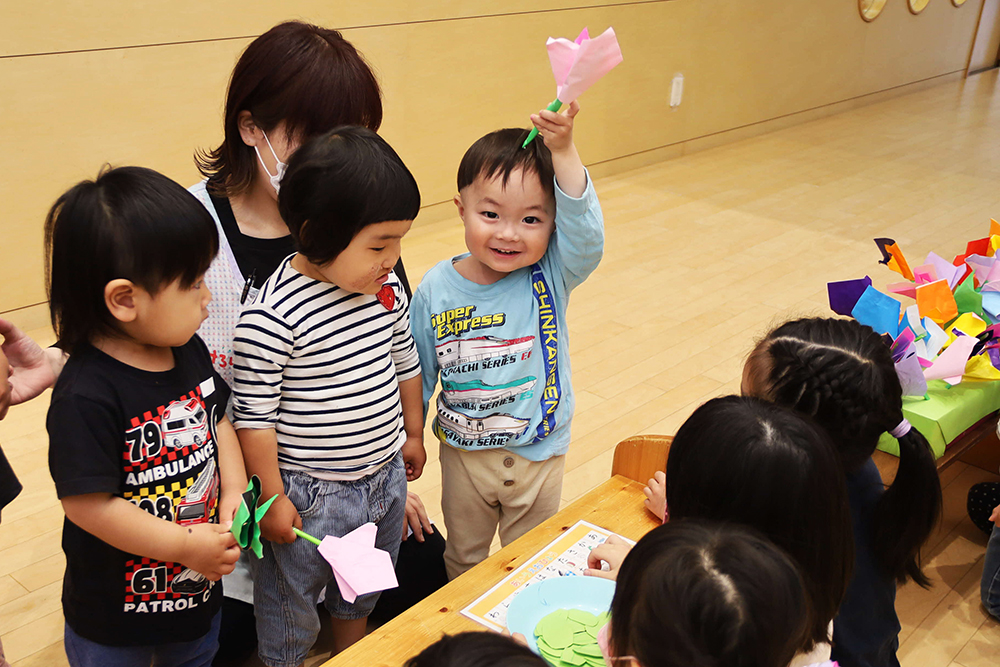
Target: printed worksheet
565 556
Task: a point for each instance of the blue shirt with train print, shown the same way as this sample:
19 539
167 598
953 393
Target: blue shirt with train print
501 351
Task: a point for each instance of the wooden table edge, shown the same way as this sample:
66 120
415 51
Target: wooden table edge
424 623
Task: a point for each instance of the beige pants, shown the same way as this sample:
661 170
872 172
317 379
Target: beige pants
489 488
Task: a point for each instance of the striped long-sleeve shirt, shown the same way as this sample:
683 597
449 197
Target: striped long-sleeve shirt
322 367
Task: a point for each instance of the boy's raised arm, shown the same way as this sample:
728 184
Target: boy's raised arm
557 131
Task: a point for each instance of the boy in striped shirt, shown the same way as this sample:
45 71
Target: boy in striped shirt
327 390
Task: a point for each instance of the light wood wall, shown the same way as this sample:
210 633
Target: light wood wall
141 82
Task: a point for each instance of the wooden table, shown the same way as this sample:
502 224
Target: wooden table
615 505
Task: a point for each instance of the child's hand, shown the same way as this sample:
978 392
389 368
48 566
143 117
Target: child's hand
210 549
277 524
414 456
556 128
656 495
612 552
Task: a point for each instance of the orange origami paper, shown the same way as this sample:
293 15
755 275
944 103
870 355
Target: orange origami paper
935 300
892 257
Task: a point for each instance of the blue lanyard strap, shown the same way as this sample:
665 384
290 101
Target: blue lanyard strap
548 330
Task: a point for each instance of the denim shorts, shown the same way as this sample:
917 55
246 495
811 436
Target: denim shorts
289 578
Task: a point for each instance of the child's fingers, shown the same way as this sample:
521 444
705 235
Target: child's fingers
573 109
556 119
228 539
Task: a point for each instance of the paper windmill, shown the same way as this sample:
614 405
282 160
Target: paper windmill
246 528
578 64
952 332
357 565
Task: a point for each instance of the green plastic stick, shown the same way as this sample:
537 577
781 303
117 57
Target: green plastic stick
555 106
306 536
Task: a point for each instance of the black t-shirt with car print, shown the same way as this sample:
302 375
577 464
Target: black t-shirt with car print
147 437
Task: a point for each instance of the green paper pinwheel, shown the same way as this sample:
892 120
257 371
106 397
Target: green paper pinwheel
246 523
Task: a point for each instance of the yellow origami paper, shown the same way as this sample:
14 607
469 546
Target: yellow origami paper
968 323
935 300
980 368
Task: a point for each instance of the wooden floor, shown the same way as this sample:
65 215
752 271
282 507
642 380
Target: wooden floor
704 254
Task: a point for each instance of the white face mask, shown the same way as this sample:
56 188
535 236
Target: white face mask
281 166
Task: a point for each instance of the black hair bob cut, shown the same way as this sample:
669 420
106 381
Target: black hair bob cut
500 153
132 223
746 461
339 183
476 649
702 593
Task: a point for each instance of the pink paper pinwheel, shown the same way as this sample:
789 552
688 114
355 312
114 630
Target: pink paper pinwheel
577 65
357 565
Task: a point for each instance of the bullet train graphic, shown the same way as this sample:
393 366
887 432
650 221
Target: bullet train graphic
474 428
465 350
476 391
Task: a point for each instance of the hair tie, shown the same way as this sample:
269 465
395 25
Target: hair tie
901 430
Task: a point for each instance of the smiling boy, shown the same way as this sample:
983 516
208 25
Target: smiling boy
491 324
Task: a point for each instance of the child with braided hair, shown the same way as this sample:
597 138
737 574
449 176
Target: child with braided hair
841 373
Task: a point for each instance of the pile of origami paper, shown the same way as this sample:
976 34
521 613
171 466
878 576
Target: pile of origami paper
952 330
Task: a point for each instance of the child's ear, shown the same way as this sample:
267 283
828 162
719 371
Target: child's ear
248 128
460 205
119 298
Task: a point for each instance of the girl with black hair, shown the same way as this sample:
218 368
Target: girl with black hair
746 461
476 649
841 373
700 593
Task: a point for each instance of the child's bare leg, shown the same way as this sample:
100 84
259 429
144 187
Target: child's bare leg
346 633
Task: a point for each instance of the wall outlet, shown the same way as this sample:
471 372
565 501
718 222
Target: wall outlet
676 91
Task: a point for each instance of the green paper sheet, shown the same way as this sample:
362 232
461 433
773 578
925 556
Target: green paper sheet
967 298
246 528
568 638
947 413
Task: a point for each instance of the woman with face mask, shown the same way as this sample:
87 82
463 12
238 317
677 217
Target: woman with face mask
294 82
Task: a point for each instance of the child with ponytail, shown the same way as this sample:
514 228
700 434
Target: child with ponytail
841 373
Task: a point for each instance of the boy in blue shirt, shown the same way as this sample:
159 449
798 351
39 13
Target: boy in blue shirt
492 324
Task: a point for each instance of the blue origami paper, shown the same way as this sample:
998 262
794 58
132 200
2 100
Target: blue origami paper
878 311
991 303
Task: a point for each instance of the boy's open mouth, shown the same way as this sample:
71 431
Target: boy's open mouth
506 253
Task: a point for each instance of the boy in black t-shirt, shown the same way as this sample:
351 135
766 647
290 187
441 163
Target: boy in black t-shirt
145 462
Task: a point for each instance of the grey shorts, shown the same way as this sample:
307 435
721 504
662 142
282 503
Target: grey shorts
289 578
